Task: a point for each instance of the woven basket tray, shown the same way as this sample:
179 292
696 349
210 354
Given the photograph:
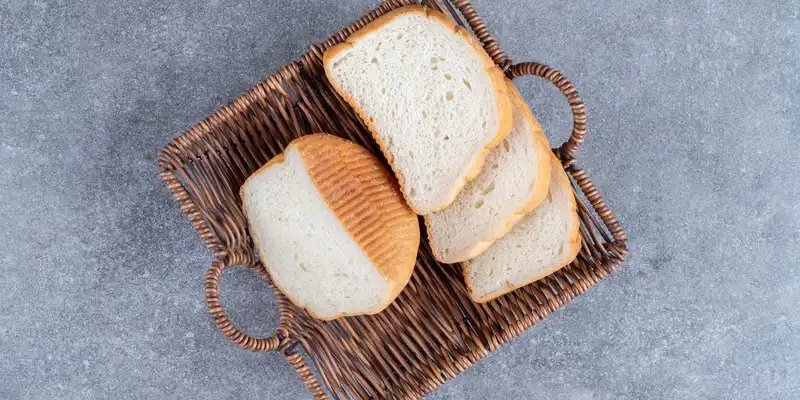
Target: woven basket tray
433 331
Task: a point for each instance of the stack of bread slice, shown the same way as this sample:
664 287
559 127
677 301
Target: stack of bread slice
467 155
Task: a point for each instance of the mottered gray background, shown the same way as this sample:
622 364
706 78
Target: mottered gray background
693 111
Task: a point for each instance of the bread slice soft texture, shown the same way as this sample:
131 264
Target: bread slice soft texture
514 181
332 227
433 100
544 241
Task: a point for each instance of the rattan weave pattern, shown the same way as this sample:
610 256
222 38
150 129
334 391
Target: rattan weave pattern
433 331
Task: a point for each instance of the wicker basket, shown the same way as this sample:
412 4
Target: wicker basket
433 330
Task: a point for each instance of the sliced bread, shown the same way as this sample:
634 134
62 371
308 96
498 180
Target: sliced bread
544 241
513 182
332 227
431 96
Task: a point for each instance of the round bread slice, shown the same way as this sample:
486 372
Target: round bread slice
332 227
430 95
513 182
544 241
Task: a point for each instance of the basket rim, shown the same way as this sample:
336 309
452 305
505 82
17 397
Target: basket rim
196 143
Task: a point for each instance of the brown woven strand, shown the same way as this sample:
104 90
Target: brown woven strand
433 331
593 195
294 359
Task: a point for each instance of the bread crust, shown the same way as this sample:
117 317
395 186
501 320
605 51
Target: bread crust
366 200
573 248
498 79
536 195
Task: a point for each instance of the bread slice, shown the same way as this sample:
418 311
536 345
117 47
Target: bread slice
543 242
433 100
332 227
514 180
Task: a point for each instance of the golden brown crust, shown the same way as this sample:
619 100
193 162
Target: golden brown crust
572 251
536 195
366 200
504 107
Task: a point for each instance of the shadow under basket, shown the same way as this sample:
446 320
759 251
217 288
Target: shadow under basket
432 331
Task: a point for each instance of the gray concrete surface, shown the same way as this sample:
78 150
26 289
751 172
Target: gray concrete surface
694 141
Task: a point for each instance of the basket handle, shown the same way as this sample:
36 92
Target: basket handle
224 324
566 87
